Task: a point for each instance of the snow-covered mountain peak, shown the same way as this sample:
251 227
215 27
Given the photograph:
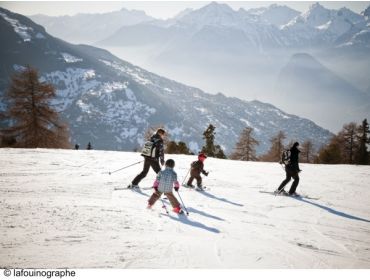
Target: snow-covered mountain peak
317 15
366 13
275 14
212 14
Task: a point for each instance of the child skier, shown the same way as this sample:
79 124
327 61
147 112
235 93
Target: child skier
164 183
196 169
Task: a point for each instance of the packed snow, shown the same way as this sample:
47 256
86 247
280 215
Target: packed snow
58 208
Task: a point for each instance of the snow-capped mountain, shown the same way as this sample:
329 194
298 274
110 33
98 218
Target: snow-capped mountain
111 102
275 14
322 27
89 28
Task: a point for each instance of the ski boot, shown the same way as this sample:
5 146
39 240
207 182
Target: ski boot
178 210
131 186
200 189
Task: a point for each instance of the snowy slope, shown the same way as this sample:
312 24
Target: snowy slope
58 209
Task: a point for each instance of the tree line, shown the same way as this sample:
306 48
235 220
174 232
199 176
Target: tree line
33 123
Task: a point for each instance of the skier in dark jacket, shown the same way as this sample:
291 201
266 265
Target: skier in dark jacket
291 170
152 159
197 167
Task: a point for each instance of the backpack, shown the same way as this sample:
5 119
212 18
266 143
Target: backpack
149 149
285 157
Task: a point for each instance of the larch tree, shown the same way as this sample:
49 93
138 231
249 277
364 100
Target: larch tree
245 148
307 152
276 149
33 121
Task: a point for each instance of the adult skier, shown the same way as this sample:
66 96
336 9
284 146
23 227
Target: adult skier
291 170
153 153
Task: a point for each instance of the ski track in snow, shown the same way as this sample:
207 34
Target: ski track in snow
58 208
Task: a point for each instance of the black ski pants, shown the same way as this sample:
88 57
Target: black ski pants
290 173
148 162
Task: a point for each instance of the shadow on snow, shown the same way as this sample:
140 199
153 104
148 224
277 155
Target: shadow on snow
193 210
184 219
333 211
205 193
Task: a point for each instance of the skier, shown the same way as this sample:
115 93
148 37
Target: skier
89 147
153 152
291 170
77 147
164 183
196 169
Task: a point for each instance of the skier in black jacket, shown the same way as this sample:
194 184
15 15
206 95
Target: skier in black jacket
152 160
291 170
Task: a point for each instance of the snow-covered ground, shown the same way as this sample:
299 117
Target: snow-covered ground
58 208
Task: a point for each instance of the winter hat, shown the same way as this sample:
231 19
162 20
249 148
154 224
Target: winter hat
170 163
295 144
202 155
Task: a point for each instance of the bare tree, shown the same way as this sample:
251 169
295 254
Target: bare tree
34 123
307 151
276 149
245 148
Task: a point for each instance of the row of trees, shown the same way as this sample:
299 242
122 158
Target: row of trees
349 146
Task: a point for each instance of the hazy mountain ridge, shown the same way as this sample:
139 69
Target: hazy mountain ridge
111 102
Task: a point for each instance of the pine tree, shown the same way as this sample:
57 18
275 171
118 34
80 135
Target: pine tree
34 124
210 148
245 148
348 134
363 138
177 148
331 154
276 149
183 148
307 151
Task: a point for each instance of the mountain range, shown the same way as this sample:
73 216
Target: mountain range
111 102
242 53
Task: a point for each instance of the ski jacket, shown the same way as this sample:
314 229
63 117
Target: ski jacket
197 167
294 153
158 142
166 180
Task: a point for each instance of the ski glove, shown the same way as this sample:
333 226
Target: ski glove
162 161
155 188
176 189
206 173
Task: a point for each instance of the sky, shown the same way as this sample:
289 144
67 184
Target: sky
157 9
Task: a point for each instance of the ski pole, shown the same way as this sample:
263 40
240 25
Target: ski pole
187 213
125 167
185 177
164 206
